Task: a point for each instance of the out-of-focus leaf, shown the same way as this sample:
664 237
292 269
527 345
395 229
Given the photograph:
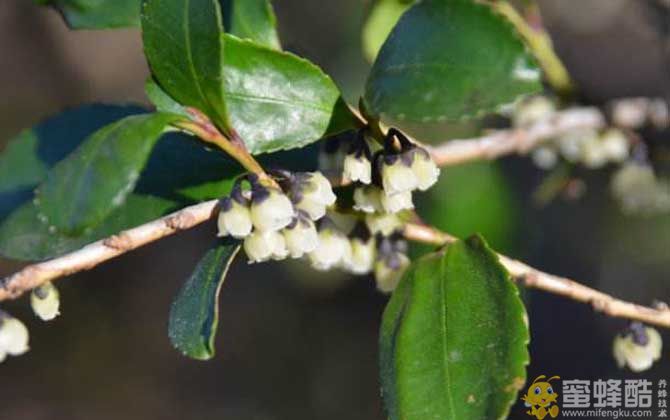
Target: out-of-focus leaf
80 191
194 315
184 47
28 157
446 60
97 14
382 18
276 100
251 19
473 197
453 341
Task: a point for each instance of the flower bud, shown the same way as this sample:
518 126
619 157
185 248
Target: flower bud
397 173
615 145
261 246
234 218
638 348
13 335
357 167
385 224
533 110
362 256
389 270
45 301
425 169
571 144
313 194
271 210
394 203
333 248
368 199
593 155
301 237
544 157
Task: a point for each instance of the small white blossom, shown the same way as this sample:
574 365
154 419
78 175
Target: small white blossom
45 301
332 250
13 336
271 210
425 169
397 174
261 246
394 203
638 349
357 167
368 199
638 190
615 145
301 237
385 224
593 154
314 194
362 256
234 219
571 144
389 271
545 157
533 110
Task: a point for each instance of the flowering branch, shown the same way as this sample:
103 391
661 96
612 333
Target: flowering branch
531 277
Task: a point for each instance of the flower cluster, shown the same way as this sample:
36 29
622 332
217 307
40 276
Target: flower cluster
638 347
13 336
589 147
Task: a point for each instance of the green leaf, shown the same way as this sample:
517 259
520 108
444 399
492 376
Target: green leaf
26 236
195 314
447 60
80 191
453 341
162 101
276 100
251 19
382 18
97 14
184 47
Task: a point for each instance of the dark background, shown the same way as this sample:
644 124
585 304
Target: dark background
292 343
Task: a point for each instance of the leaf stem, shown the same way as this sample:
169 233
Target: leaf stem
539 42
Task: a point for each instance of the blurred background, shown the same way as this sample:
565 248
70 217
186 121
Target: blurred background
296 344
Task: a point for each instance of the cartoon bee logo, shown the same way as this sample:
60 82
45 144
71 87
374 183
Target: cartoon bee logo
541 398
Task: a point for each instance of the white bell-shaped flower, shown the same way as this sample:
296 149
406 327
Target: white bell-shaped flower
394 203
357 167
637 349
593 154
234 218
533 110
313 194
368 199
389 271
271 210
545 157
424 168
45 301
362 256
385 223
301 237
332 250
13 336
614 145
262 245
397 173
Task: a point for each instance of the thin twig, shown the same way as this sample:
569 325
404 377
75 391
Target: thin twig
516 141
531 277
98 252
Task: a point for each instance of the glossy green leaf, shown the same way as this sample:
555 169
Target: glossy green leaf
447 60
453 342
97 14
80 191
184 47
382 18
195 313
162 101
251 19
275 99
